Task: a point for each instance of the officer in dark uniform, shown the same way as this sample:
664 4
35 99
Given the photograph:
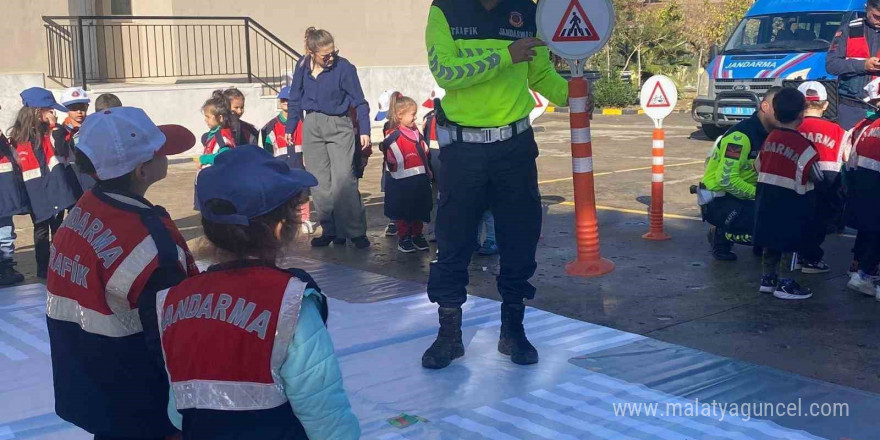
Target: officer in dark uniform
854 55
485 55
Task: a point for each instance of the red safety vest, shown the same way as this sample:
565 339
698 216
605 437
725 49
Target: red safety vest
866 154
404 156
242 320
101 259
30 164
223 138
857 44
828 138
279 143
785 160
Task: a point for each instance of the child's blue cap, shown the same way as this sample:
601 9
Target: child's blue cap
252 181
38 97
284 93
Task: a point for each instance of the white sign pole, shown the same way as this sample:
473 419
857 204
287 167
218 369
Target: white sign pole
575 30
658 98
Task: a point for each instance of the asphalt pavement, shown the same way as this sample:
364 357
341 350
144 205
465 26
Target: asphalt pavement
672 291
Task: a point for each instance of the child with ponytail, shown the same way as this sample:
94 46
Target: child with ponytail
408 189
220 136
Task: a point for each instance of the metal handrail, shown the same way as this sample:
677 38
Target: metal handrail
90 48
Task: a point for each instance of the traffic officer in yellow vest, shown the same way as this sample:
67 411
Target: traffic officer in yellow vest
854 55
111 255
485 55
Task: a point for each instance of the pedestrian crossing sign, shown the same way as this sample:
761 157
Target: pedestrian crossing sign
575 25
658 97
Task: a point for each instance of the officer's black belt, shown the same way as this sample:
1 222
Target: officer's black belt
470 135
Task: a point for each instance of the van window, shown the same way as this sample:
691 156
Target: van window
792 32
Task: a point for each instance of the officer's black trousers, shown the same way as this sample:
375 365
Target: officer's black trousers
503 177
732 215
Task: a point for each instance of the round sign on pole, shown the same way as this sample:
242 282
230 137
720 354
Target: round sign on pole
659 97
575 29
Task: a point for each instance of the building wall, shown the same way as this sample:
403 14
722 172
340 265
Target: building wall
367 32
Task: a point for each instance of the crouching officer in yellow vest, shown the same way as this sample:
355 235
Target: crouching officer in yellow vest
245 344
111 255
727 190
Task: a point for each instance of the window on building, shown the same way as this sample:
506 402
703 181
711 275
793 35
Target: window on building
120 7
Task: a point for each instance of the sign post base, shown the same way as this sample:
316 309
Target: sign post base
589 269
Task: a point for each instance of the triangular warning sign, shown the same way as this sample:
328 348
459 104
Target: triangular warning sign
575 25
658 97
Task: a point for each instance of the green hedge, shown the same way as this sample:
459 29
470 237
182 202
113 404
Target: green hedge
614 92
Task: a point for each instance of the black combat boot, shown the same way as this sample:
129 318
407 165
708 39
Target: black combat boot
721 246
448 345
513 340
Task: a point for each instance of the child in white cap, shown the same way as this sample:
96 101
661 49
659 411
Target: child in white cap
66 136
829 139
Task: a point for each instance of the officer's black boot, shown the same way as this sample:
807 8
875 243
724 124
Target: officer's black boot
513 340
721 246
448 345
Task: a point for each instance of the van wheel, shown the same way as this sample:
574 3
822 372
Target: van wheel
713 131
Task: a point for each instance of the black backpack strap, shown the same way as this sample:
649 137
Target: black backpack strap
311 284
165 244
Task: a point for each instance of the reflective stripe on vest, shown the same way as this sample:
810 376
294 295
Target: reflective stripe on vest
6 167
101 258
829 166
403 172
226 395
30 164
869 164
776 163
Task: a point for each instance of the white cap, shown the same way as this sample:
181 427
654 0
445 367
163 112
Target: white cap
436 93
873 90
74 95
119 139
814 91
385 104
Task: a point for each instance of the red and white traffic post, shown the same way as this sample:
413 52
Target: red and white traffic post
658 99
574 34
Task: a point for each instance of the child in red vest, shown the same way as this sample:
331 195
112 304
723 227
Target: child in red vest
408 188
268 370
219 137
784 204
44 172
276 143
829 139
113 253
863 200
245 133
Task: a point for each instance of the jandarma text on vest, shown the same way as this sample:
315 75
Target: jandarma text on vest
195 307
821 139
95 233
781 149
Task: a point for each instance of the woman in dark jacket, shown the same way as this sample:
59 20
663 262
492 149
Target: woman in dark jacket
324 87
